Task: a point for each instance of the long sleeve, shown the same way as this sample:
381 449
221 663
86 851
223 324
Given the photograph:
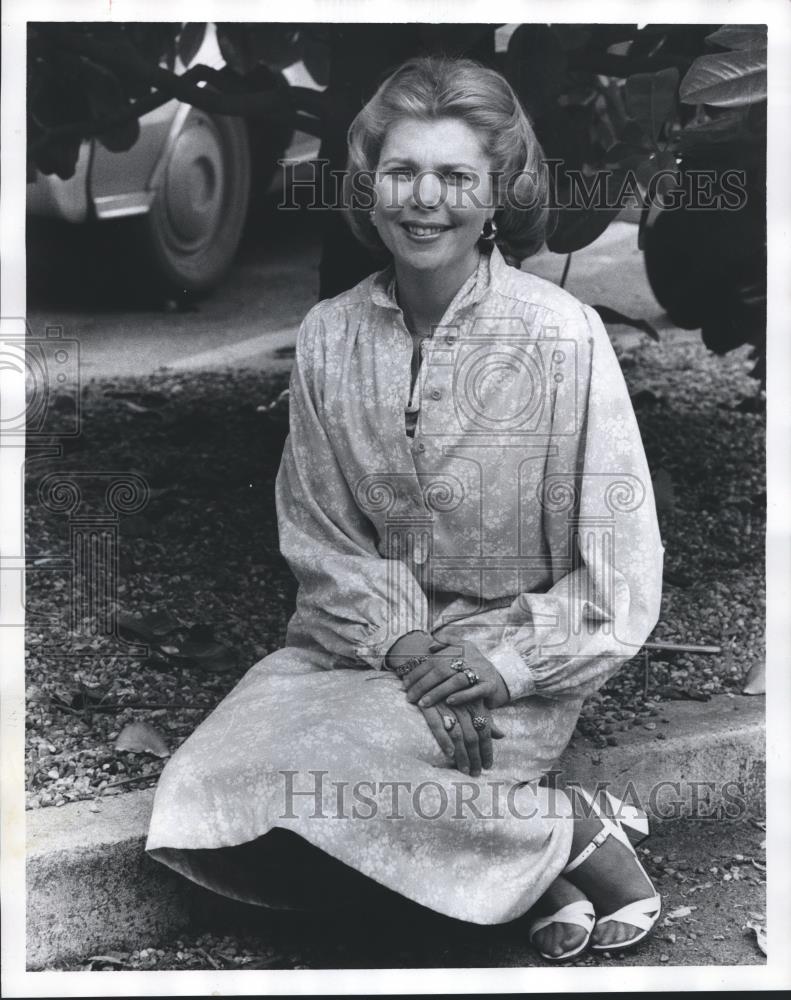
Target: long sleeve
353 601
599 518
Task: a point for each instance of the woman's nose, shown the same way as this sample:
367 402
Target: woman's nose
428 190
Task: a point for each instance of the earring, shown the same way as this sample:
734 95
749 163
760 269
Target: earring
492 233
372 214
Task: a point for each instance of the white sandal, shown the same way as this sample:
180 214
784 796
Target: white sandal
643 913
580 913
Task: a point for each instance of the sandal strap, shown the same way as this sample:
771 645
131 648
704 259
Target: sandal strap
642 914
630 817
580 913
586 852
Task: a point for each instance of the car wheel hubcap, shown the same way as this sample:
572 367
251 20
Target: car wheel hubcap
194 184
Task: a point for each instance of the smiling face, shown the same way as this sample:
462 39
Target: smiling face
433 194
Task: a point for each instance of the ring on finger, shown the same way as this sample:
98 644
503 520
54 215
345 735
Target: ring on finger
457 666
448 721
472 677
479 722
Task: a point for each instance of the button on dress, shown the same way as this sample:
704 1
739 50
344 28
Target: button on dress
506 501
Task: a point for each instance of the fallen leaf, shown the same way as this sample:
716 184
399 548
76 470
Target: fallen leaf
149 628
760 934
755 682
664 491
108 959
704 885
140 737
201 648
134 407
758 865
681 911
146 399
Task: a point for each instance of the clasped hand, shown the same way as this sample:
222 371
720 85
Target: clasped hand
440 678
455 699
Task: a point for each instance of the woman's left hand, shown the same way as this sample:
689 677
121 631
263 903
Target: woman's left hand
432 682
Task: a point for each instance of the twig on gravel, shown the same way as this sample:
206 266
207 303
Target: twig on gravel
113 706
130 780
208 957
672 647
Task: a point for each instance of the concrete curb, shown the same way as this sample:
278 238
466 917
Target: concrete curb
91 887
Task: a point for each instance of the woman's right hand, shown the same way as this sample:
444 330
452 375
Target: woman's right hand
469 748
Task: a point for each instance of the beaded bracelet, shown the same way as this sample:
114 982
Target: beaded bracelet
409 665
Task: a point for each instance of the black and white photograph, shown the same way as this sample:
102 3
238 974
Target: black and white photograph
394 441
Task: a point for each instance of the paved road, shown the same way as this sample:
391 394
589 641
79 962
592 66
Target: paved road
243 324
251 320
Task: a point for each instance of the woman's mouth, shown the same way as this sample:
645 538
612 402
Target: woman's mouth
423 232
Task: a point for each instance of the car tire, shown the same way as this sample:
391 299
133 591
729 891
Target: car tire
190 235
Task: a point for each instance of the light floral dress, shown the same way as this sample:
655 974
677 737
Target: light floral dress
520 516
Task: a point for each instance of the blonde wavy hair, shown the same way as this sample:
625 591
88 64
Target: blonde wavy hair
432 87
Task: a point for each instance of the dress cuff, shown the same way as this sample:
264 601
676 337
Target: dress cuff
378 643
509 663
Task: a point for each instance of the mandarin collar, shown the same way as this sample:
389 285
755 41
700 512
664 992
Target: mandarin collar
486 276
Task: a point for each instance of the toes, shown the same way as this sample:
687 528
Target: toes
612 933
557 941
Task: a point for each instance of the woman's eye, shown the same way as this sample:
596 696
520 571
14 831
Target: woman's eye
398 172
459 178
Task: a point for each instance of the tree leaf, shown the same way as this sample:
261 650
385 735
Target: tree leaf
664 491
141 737
723 130
535 66
316 56
626 155
650 99
739 36
609 315
245 46
572 36
190 40
583 215
726 79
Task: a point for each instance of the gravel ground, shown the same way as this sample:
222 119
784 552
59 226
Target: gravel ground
713 896
203 556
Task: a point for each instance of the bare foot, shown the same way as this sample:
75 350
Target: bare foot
559 938
610 877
